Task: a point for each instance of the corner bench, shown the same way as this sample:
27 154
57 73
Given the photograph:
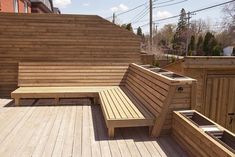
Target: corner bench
121 109
57 92
129 96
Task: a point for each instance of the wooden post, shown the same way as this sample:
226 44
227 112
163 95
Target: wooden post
96 100
17 101
111 132
57 101
150 130
161 118
194 95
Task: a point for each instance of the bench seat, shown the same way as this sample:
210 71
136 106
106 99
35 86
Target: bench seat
57 92
122 109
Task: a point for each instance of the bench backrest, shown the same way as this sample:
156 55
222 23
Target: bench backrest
159 93
57 74
150 91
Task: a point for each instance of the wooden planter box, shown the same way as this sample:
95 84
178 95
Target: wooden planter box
158 70
201 136
225 138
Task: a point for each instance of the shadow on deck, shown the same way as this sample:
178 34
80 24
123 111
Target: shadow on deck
73 128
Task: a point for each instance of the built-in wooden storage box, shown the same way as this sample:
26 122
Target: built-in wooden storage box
201 136
215 87
184 96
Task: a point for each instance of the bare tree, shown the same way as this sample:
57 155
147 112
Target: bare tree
229 14
199 27
165 35
229 23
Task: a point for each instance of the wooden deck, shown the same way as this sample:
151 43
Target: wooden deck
75 128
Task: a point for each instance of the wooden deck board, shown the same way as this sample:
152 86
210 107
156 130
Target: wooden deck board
73 130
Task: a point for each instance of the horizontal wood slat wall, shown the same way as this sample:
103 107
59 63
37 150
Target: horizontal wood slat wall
150 91
42 74
153 91
63 38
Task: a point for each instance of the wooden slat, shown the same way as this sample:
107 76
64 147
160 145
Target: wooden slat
210 72
195 140
70 74
129 141
160 95
113 101
76 39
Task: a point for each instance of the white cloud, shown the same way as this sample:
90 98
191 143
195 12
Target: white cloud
123 7
162 14
114 9
62 3
120 7
86 4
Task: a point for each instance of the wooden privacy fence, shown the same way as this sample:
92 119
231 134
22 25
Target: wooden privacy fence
215 88
220 99
65 38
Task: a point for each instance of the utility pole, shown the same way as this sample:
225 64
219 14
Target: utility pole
154 28
154 32
151 24
114 18
188 26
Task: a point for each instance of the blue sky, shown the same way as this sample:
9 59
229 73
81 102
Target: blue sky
105 8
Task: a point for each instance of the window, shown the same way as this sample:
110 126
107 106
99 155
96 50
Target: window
25 7
16 6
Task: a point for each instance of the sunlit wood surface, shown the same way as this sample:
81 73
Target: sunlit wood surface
73 128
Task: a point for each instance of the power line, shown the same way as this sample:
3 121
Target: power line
165 6
144 25
199 10
172 17
130 10
140 14
195 11
171 4
137 7
213 6
164 2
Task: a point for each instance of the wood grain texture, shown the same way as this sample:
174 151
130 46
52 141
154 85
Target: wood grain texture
138 97
64 38
160 95
76 129
215 86
59 74
195 140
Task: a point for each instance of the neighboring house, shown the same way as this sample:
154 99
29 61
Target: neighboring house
42 6
56 10
15 6
228 51
28 6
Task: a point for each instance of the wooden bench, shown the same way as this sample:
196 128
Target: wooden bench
62 80
57 92
122 109
129 96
